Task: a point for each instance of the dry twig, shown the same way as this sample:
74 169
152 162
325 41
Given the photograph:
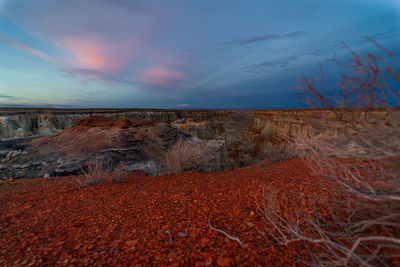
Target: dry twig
226 234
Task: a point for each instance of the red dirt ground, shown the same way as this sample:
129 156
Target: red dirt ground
50 221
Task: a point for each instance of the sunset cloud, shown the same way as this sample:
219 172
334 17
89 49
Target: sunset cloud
90 60
95 54
162 75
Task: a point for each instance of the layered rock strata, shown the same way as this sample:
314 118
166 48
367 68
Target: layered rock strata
272 125
22 123
316 122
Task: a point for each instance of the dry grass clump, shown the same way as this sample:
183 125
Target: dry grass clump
99 170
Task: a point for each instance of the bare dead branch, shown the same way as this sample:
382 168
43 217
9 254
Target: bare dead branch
171 243
226 234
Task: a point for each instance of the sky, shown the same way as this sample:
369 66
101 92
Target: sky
180 53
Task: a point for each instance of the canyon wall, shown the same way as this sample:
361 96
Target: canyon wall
30 122
233 126
313 123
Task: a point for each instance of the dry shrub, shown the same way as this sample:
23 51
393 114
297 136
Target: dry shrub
190 154
99 170
357 221
186 155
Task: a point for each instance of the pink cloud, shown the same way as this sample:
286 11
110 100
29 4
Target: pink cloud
88 54
161 75
93 53
93 58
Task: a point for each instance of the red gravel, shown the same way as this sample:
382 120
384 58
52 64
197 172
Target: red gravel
49 221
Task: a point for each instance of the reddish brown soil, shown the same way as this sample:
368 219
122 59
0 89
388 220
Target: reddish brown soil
49 221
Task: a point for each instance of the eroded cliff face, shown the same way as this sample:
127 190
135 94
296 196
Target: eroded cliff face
313 123
22 123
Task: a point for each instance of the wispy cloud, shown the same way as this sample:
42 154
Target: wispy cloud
113 39
272 66
7 97
26 48
182 105
92 60
162 75
264 38
387 34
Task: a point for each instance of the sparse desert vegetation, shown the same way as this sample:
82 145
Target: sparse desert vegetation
99 170
183 156
356 220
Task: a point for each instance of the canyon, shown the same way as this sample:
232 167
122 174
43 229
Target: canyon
239 137
205 124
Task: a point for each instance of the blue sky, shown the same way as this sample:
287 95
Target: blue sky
179 53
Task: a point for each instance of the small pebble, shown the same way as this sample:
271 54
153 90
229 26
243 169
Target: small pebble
182 234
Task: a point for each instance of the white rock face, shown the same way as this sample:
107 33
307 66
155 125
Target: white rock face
22 125
30 123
